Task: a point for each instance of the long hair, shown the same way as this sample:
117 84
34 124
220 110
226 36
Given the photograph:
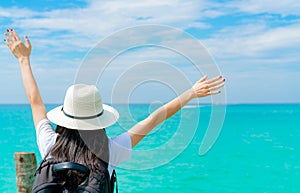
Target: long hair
88 148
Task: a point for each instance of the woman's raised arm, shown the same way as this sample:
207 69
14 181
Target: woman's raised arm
201 88
22 52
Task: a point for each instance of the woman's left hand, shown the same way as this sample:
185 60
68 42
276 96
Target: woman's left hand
16 46
205 87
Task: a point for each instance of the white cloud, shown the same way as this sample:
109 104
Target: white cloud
287 7
254 41
100 18
17 13
80 28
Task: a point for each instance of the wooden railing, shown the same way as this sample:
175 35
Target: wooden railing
25 169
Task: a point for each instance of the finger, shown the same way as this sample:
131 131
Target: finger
15 35
6 42
7 38
12 35
216 83
214 79
203 79
7 33
27 42
213 93
217 87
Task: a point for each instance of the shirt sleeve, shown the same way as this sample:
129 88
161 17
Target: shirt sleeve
45 136
119 149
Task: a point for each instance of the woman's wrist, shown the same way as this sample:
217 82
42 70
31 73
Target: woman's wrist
24 59
187 96
192 93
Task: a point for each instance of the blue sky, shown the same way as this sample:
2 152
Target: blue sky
254 43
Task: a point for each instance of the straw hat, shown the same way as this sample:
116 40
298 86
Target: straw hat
83 110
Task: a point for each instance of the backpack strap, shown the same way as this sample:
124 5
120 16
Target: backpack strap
45 162
114 180
70 166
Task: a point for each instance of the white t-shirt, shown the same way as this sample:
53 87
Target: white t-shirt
119 147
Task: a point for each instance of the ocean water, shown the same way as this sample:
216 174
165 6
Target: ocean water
258 150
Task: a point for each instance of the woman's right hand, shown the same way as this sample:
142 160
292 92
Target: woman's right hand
16 46
205 87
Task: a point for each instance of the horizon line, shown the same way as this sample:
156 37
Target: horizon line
242 103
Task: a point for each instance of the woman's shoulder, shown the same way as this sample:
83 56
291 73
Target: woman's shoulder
119 149
43 123
121 140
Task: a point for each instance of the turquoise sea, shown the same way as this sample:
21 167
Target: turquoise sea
257 151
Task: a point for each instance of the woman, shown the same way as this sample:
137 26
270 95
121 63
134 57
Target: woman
80 135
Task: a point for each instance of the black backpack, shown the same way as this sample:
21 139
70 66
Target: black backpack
49 178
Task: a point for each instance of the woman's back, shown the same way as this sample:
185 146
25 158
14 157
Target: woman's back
70 148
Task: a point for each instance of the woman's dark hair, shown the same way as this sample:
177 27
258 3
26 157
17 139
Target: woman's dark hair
86 147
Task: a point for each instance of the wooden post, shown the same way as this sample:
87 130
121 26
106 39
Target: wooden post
25 169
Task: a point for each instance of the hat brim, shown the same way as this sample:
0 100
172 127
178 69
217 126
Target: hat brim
109 117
